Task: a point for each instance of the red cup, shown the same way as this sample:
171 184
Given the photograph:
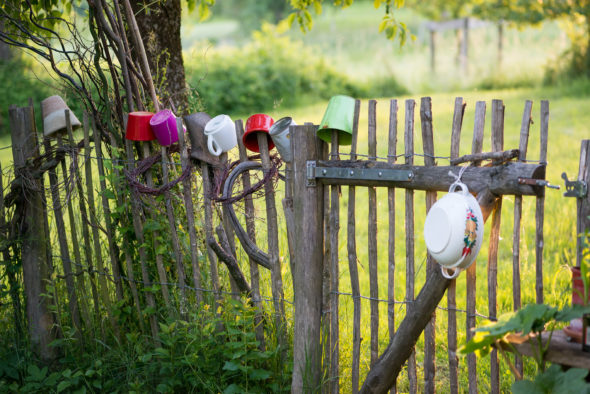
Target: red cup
257 123
138 126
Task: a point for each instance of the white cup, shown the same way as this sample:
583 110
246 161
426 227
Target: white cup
221 134
279 132
453 230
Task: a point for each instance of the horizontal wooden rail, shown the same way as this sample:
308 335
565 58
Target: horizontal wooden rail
500 180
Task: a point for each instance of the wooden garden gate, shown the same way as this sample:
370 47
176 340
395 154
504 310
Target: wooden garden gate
313 201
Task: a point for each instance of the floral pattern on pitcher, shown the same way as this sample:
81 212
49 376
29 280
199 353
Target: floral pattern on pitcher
470 232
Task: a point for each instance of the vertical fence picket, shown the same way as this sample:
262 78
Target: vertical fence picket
326 281
273 246
190 220
497 146
63 242
335 273
106 211
80 282
149 180
126 244
372 233
102 284
138 229
208 208
583 204
249 214
430 331
540 204
409 219
451 291
352 262
391 159
471 278
167 161
522 151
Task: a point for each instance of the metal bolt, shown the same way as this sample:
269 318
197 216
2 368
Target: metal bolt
410 175
380 173
351 172
324 172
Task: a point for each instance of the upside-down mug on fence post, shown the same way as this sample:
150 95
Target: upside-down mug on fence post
339 116
221 134
164 127
138 126
257 123
279 132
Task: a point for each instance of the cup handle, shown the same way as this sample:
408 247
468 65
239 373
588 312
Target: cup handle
446 274
213 147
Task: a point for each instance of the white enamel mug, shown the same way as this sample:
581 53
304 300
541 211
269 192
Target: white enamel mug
221 134
279 132
453 230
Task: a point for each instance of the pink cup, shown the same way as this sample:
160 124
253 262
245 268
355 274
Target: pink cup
164 127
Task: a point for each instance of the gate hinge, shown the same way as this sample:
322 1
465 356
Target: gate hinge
311 173
577 189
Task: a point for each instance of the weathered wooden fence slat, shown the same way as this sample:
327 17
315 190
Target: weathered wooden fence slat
80 278
497 145
470 277
391 159
583 203
334 275
409 223
430 331
190 222
458 113
63 242
540 204
207 207
522 149
273 245
352 262
249 218
372 238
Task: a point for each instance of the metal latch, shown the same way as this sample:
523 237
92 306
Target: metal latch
577 189
537 182
349 173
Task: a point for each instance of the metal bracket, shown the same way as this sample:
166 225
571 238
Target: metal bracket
577 189
372 174
311 173
537 182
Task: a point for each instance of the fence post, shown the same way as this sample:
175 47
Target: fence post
33 237
308 265
583 204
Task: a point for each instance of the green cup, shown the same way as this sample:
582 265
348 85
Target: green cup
338 116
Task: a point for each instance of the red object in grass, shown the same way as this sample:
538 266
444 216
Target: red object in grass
578 287
257 123
138 126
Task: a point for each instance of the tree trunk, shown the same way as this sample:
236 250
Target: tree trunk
159 25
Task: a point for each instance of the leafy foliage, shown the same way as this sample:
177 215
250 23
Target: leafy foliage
554 380
272 71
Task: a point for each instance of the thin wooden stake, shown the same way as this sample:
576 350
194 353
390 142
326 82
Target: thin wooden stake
409 159
334 276
63 244
497 146
352 262
372 234
80 282
430 331
391 159
540 205
583 204
522 149
250 213
207 207
476 147
102 284
190 219
180 274
273 246
106 211
451 291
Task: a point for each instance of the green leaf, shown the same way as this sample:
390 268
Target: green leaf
377 3
259 374
230 366
233 389
162 352
64 384
526 387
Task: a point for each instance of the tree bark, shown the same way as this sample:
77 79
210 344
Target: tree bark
159 25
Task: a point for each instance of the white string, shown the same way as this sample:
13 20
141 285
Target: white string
457 177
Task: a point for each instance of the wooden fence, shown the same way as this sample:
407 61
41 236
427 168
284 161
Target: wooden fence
317 178
125 243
